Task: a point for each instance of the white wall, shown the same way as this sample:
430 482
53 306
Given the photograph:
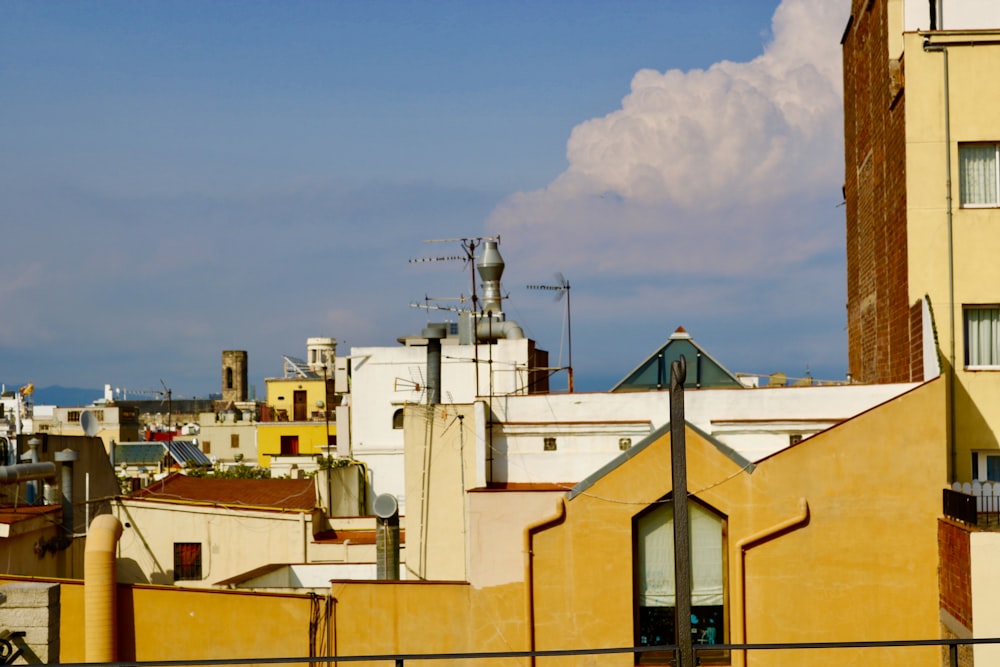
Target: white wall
985 556
588 427
955 14
384 379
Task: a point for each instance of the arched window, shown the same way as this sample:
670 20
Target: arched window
654 576
397 419
229 377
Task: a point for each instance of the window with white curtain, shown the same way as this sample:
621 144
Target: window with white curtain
654 569
979 174
982 336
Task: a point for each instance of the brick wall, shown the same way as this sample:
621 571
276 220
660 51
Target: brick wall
955 571
878 310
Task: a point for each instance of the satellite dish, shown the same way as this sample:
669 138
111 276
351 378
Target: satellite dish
89 424
386 506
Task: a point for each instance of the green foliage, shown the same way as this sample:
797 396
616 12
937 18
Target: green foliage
240 471
332 463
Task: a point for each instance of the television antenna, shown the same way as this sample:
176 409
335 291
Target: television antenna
561 290
164 394
468 256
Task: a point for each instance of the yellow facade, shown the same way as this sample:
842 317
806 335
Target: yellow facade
966 96
834 539
309 439
165 623
303 419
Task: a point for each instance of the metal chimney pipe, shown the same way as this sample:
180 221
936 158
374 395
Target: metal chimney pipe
434 333
387 537
66 457
490 267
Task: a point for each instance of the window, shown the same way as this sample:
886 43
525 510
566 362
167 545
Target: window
978 177
988 463
397 419
289 445
982 336
549 444
654 584
234 440
187 561
206 446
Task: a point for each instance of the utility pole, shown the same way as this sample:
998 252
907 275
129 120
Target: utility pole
682 531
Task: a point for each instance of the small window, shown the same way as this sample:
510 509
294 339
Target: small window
978 175
982 336
397 419
289 445
988 463
187 561
794 439
549 444
206 446
624 443
234 440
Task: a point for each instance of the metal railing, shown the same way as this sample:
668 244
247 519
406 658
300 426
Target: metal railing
400 660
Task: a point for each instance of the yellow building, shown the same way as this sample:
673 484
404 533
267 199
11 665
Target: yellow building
299 419
834 539
922 141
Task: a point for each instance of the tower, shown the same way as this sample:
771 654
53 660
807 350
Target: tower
234 375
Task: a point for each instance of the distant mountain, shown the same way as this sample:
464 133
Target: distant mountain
65 396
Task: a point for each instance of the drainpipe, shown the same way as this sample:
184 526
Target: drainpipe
529 584
800 518
952 361
100 590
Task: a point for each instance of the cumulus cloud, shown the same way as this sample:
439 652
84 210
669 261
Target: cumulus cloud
702 158
709 199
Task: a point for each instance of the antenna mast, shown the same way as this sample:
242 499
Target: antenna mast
562 289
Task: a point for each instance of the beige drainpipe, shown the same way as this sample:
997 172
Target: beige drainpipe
100 589
753 540
529 584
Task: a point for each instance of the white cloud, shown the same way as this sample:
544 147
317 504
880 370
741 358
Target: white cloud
707 161
708 200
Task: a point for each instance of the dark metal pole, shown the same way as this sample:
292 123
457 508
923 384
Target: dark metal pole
682 532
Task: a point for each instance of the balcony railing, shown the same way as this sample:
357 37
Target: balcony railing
975 503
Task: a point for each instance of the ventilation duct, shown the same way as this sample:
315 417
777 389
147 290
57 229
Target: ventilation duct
66 457
434 333
100 590
387 537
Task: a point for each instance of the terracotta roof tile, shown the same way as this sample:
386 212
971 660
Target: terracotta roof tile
278 494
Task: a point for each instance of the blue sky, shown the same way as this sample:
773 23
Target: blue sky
179 178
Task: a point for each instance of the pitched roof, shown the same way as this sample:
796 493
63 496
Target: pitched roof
271 494
664 431
703 371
